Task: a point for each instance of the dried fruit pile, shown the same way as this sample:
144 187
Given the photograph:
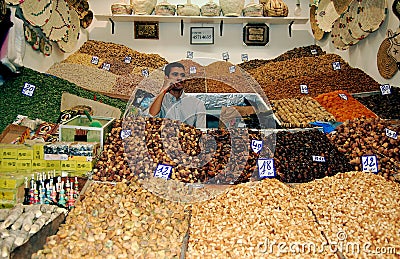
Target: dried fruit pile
123 221
357 211
363 136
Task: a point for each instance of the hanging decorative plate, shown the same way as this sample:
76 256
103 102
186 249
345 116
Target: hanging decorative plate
372 14
341 6
326 15
317 32
36 12
386 64
28 33
335 35
68 43
345 20
57 26
396 8
353 21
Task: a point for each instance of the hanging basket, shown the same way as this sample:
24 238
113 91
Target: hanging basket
275 8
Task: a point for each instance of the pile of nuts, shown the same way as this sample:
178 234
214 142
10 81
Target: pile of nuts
249 220
82 59
343 106
219 68
120 221
112 50
189 64
385 106
363 136
126 85
358 212
296 157
299 112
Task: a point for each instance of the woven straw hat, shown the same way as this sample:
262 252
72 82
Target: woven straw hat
317 32
386 64
345 35
68 43
341 5
335 36
57 26
353 21
36 12
373 14
326 15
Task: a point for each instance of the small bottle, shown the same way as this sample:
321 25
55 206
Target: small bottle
26 194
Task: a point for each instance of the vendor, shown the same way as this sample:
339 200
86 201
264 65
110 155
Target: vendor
173 103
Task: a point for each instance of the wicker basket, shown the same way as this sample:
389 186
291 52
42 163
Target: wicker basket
275 8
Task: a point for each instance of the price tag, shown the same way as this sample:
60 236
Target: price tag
304 89
106 66
343 96
385 89
232 69
189 54
314 52
163 171
369 164
28 89
128 59
318 159
192 70
225 56
145 72
95 60
125 133
245 57
256 145
266 167
391 134
336 65
201 35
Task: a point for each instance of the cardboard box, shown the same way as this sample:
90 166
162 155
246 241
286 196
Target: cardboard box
25 153
9 164
11 181
68 165
84 166
14 134
53 164
39 164
38 151
10 152
24 164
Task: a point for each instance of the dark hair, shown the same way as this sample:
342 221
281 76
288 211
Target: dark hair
168 67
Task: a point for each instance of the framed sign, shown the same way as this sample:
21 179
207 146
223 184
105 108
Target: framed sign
146 30
201 35
256 34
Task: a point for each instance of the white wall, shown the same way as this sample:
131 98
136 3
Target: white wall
173 46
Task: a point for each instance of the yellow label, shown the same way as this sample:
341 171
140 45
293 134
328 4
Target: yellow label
8 195
38 164
8 183
53 164
10 153
9 164
24 164
25 154
38 151
84 166
68 165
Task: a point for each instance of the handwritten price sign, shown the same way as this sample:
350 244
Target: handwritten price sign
163 171
369 164
266 168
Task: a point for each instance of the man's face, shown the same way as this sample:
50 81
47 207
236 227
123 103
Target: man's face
176 75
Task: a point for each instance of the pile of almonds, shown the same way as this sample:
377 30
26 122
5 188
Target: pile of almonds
358 212
120 221
249 220
299 112
363 136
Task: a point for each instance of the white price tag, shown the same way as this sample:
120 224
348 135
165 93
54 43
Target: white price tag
95 60
256 145
163 171
391 134
266 167
245 57
232 69
125 133
385 89
304 89
336 65
189 54
314 52
106 66
343 96
369 164
28 89
145 72
128 60
225 56
192 70
318 159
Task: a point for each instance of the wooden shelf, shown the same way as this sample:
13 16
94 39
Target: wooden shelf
201 19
